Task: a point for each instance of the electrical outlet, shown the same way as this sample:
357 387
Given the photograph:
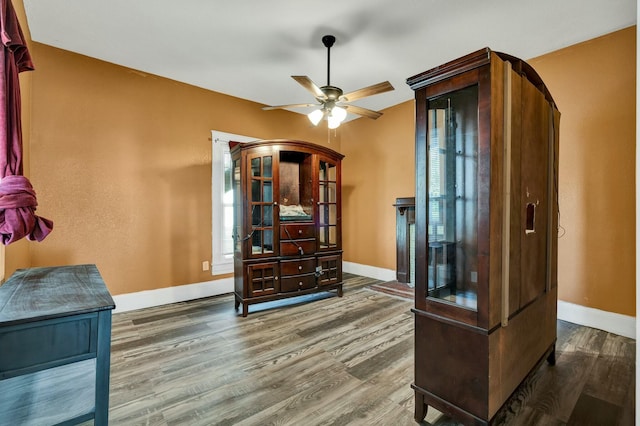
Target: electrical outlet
205 265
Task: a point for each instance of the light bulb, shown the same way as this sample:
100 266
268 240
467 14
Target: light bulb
336 116
333 123
315 116
339 113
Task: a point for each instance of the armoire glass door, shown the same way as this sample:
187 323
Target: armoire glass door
452 138
261 204
328 206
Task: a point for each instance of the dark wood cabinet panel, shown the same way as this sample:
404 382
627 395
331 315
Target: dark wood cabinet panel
330 267
287 216
486 211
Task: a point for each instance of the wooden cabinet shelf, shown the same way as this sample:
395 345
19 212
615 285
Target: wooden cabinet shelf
486 214
287 220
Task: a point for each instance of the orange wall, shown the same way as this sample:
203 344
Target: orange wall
121 162
379 166
594 85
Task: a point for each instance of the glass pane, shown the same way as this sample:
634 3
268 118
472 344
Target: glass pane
333 214
255 166
328 236
328 171
332 236
227 236
256 241
266 172
267 217
255 215
255 190
268 241
331 192
323 193
452 205
267 192
323 211
331 172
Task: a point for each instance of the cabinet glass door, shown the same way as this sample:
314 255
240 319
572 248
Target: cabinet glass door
452 209
260 204
237 205
328 206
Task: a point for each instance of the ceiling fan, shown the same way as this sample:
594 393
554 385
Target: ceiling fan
333 102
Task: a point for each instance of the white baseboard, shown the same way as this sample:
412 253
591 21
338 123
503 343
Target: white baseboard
622 325
611 322
164 296
369 271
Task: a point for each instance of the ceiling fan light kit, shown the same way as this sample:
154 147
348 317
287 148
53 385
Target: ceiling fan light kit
333 104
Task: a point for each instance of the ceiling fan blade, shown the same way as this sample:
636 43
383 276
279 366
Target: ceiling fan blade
288 106
362 111
367 91
309 85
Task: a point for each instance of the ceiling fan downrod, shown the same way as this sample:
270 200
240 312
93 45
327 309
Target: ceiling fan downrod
328 41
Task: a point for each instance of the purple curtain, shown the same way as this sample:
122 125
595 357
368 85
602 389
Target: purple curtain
17 197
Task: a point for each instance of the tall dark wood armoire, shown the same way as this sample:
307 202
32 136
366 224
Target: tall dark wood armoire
287 220
486 233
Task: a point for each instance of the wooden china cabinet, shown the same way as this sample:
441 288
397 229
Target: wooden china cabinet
287 220
486 233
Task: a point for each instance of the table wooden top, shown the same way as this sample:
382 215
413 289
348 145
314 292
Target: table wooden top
35 294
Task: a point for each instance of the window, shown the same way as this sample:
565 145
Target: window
222 201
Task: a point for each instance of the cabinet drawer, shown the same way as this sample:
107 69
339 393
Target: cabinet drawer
298 282
297 267
39 345
295 231
297 247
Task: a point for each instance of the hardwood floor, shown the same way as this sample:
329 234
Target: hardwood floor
335 361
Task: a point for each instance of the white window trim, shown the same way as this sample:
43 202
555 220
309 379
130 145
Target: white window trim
220 264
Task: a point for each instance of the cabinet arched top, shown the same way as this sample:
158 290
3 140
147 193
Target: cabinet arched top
288 145
475 60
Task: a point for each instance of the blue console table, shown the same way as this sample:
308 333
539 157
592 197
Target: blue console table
55 346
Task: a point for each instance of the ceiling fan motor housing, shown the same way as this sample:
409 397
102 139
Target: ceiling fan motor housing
331 92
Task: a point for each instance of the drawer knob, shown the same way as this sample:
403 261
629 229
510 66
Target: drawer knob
300 231
300 283
300 268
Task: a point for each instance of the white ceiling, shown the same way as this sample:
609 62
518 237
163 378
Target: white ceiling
250 48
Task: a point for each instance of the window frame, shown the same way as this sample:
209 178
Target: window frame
220 264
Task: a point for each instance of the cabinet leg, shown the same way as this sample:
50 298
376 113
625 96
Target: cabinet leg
339 290
245 310
421 408
237 304
551 359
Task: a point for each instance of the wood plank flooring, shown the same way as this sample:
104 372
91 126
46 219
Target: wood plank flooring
324 360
